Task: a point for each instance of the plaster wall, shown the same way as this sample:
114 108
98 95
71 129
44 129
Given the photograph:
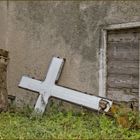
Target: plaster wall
34 32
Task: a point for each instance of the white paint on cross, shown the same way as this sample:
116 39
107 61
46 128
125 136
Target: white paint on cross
48 89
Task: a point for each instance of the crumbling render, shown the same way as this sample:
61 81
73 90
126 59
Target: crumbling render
3 88
48 88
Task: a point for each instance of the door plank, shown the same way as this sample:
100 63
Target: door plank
123 67
122 94
123 51
122 81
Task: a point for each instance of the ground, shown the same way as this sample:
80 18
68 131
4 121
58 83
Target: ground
63 125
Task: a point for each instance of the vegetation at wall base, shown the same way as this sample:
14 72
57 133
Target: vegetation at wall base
63 125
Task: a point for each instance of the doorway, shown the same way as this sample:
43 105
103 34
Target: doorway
122 59
119 74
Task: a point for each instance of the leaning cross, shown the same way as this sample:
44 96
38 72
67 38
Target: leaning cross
48 88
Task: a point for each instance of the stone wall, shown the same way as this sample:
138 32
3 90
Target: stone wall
33 32
3 80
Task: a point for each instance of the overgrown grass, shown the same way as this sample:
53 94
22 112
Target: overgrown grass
63 125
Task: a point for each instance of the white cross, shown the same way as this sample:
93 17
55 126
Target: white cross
48 89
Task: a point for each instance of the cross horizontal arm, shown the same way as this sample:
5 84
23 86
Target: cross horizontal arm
66 94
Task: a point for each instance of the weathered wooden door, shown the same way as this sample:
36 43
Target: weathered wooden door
123 66
3 85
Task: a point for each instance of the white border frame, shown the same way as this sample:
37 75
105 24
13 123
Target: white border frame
103 48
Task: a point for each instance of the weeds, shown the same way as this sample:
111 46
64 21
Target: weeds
63 125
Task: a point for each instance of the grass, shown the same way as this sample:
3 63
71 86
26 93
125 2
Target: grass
63 125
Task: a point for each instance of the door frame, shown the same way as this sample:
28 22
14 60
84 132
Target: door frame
103 51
